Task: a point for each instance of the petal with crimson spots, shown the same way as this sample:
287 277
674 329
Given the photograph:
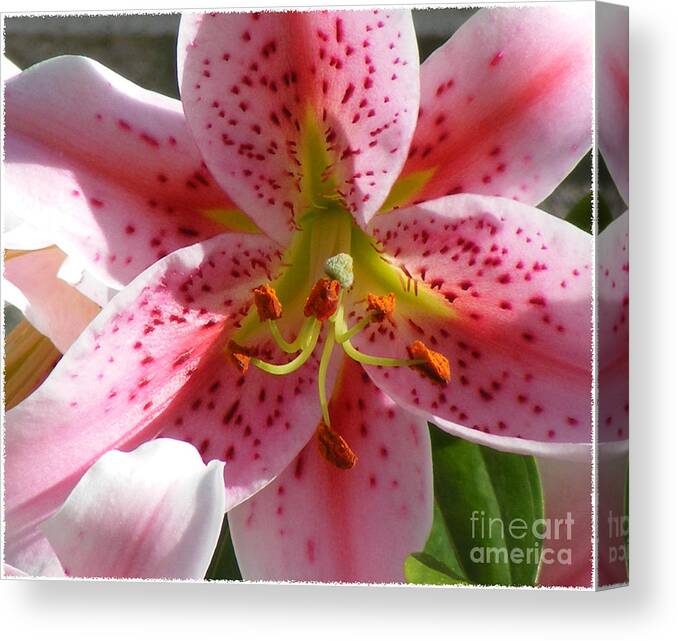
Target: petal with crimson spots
505 106
613 335
52 306
134 361
155 512
291 109
256 422
517 329
107 170
316 522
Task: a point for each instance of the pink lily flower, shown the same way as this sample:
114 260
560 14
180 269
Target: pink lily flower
470 311
152 513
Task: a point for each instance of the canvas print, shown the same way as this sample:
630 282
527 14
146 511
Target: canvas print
330 296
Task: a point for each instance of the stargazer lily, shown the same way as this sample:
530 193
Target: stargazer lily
395 270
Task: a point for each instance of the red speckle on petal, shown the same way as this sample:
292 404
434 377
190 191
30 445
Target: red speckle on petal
497 58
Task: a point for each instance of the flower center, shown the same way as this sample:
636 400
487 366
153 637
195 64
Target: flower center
324 307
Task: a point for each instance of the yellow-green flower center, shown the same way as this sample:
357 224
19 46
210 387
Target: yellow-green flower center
330 264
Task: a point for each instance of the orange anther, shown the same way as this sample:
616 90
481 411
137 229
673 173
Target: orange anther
381 306
334 448
435 365
240 356
323 300
267 303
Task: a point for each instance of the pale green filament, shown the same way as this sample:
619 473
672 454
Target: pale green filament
356 329
322 376
308 338
295 363
380 361
297 343
343 336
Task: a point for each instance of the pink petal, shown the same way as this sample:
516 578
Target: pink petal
9 570
613 333
612 74
517 284
255 86
135 361
77 276
52 306
566 485
106 170
33 556
152 513
256 423
316 522
505 105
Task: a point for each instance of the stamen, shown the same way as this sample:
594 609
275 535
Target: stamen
340 332
378 307
356 329
340 268
334 448
240 356
380 361
433 365
382 307
297 343
295 363
323 300
267 303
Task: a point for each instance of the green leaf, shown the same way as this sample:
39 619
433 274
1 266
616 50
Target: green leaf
441 546
581 214
424 569
224 565
487 523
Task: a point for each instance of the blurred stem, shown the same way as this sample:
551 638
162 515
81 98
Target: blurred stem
29 358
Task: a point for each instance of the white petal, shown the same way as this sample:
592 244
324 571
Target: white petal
155 512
